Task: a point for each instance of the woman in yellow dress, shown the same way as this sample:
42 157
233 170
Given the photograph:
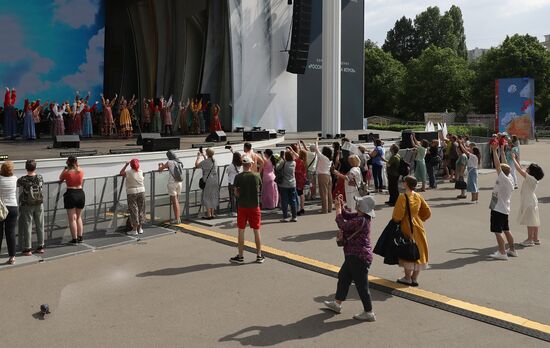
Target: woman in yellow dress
420 212
125 119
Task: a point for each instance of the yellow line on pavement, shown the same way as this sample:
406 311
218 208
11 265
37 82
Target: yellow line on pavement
423 294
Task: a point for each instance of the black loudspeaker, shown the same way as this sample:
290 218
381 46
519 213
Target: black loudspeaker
369 138
161 144
66 142
406 138
147 136
216 137
272 133
256 135
300 39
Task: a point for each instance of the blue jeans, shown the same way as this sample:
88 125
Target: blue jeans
431 175
377 175
288 196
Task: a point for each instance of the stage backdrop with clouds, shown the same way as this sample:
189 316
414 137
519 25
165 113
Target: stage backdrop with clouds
50 49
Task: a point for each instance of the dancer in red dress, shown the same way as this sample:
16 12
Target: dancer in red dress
215 125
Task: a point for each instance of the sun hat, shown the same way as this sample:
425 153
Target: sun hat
366 205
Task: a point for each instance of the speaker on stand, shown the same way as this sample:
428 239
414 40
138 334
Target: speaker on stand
300 37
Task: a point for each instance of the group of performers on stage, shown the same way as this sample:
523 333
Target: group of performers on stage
193 117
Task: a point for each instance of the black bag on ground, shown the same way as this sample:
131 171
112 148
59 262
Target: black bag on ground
279 174
406 247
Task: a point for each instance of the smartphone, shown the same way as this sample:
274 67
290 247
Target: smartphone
228 147
200 149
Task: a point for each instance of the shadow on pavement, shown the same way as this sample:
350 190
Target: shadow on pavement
544 200
309 327
478 255
183 270
323 235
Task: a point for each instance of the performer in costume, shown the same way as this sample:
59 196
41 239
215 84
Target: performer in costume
182 117
196 106
166 114
108 121
36 113
125 119
58 123
10 116
87 128
201 117
29 131
215 125
157 121
146 113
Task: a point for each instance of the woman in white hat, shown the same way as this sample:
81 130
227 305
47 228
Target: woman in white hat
355 237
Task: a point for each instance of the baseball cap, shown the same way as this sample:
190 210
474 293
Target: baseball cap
247 160
366 205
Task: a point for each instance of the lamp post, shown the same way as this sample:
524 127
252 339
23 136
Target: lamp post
332 58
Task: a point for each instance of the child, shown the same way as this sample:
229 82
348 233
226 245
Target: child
500 209
529 208
474 160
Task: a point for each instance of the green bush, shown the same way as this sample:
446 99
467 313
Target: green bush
474 130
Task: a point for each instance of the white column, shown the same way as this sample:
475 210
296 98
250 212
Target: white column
332 58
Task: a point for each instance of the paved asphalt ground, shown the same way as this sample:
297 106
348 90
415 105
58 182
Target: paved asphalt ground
179 290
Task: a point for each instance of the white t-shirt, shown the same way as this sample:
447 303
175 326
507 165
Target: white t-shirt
472 161
232 172
504 187
8 189
323 164
135 182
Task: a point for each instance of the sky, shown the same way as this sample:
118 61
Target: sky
486 22
50 49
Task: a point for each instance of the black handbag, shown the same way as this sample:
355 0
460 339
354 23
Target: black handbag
279 174
460 184
406 247
202 182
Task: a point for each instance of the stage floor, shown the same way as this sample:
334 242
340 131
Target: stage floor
42 148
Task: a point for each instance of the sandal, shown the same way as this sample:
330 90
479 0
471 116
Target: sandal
404 281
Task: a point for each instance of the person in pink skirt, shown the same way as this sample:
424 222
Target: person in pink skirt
270 193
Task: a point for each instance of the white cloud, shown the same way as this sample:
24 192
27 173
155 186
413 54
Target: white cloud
25 64
89 73
75 13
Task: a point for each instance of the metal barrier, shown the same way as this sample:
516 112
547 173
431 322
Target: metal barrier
106 203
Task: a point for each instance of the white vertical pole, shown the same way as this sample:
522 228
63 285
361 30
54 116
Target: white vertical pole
332 58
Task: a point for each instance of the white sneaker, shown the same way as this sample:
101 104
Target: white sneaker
132 233
284 220
140 231
294 220
527 243
498 256
365 316
333 306
511 253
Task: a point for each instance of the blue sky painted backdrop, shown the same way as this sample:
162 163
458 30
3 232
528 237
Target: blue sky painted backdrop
51 48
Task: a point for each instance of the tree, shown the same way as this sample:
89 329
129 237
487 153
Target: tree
401 41
438 80
458 30
384 77
517 56
427 26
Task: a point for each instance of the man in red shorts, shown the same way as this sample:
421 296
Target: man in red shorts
247 186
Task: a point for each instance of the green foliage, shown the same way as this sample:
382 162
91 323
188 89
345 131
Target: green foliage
473 130
438 80
401 41
517 56
384 80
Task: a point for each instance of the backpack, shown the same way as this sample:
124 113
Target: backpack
279 174
33 192
404 167
177 172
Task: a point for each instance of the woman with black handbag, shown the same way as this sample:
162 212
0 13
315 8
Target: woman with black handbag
355 238
209 185
410 211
